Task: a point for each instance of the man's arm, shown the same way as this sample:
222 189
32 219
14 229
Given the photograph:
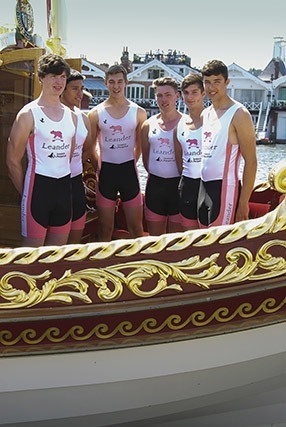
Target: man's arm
17 141
246 139
145 144
178 152
93 119
87 145
74 119
141 117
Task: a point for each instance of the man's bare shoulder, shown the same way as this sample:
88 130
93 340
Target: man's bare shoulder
242 114
27 109
99 106
25 115
93 113
146 123
141 109
134 104
243 124
23 125
142 114
154 117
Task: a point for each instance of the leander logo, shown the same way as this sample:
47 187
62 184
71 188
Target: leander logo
58 136
192 143
118 139
25 19
164 141
116 129
57 147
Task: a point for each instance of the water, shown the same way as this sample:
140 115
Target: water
267 157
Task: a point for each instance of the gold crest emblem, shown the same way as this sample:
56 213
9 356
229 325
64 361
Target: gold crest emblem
25 19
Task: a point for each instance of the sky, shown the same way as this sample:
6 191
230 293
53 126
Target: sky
240 31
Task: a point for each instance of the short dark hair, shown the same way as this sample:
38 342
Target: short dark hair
116 69
165 81
74 75
192 79
215 67
50 63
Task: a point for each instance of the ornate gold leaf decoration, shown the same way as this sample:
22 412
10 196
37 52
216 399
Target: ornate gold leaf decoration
50 291
173 322
277 176
110 281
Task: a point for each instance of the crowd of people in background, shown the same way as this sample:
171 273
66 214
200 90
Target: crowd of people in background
192 160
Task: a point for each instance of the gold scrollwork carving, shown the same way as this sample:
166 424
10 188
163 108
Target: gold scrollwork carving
277 176
50 291
126 328
110 281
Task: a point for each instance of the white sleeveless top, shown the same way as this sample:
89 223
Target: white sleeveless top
162 160
80 137
117 136
49 146
191 141
220 159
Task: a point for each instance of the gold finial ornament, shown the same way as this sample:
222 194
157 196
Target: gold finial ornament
54 44
277 177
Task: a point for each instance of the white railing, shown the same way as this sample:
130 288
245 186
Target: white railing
253 106
259 117
266 117
279 103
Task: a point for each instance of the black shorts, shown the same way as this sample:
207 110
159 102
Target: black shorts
188 191
78 197
51 201
119 178
209 201
162 195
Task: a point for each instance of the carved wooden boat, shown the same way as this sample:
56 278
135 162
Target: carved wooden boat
184 329
182 325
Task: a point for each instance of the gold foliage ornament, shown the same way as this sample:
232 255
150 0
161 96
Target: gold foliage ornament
110 281
50 291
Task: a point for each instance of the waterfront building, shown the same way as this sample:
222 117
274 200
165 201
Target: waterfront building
94 80
263 93
275 75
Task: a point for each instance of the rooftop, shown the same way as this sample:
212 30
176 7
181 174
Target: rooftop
172 57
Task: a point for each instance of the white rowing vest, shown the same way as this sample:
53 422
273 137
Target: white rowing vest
220 159
117 136
162 160
49 146
191 141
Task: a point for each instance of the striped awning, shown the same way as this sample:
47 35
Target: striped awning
94 84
